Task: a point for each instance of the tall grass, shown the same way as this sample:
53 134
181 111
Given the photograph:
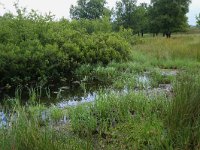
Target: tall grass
113 121
124 121
177 52
183 118
105 120
25 132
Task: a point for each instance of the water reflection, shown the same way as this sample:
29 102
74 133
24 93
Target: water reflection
3 119
90 97
80 98
144 80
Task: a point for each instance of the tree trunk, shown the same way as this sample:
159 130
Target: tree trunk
142 33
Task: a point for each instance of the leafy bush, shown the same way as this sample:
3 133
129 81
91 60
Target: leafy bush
35 48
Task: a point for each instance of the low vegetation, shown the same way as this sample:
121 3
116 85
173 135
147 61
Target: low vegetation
148 98
120 120
113 121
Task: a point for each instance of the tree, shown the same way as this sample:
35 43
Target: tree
124 13
198 20
88 9
140 18
154 22
129 15
168 15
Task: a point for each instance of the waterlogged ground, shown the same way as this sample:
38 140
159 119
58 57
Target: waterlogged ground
78 92
143 84
66 98
138 104
134 76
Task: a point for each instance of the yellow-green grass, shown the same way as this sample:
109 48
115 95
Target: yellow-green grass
177 52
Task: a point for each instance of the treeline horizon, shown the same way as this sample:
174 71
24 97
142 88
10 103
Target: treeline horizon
160 16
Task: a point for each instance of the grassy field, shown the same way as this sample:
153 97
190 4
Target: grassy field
132 120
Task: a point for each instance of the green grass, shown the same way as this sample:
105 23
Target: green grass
113 121
100 120
177 52
184 115
181 53
117 120
25 131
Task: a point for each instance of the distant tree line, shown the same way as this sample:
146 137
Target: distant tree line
160 16
198 20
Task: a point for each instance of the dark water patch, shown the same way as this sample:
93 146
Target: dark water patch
52 93
70 95
77 92
71 92
45 115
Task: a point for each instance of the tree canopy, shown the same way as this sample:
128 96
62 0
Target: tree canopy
140 15
88 9
168 15
124 13
198 19
160 16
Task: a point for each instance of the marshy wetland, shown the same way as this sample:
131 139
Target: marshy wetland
150 101
80 84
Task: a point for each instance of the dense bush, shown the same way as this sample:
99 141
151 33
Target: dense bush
34 47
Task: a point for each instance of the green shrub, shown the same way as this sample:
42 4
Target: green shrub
35 48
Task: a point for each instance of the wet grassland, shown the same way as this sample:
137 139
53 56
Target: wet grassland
149 101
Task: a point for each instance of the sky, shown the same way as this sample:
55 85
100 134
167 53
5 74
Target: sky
60 8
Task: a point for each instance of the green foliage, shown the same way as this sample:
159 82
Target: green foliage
88 9
141 134
198 20
35 48
92 26
168 16
56 113
140 17
124 120
180 52
124 13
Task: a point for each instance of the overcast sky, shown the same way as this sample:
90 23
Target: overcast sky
61 7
